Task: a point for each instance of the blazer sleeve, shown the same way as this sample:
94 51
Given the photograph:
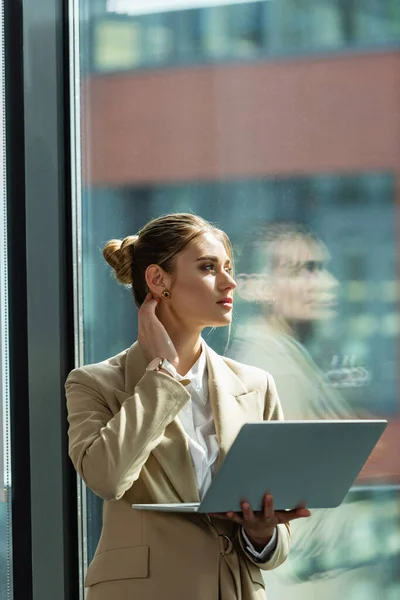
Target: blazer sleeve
107 450
272 412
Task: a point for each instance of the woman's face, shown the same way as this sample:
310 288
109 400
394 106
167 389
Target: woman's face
300 287
201 281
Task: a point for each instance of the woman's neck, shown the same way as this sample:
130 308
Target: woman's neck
188 346
299 330
280 324
186 340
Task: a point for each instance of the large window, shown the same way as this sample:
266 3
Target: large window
298 162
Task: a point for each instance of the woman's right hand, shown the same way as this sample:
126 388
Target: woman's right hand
153 336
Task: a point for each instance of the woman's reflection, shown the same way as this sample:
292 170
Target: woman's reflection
293 291
289 292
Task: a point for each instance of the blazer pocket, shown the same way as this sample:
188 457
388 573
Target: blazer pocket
255 573
131 562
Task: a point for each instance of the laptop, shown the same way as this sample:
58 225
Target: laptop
310 462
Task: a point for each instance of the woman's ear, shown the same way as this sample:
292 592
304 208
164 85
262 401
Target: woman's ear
156 279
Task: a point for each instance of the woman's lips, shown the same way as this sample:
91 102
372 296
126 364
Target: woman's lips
226 302
323 302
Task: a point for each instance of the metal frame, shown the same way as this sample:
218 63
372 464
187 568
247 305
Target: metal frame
76 209
44 527
18 383
5 442
50 349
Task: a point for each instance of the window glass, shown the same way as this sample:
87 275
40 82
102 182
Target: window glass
118 44
246 29
128 36
297 160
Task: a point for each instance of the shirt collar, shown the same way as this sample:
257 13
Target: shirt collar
199 366
198 370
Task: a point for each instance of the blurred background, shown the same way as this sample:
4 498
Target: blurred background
274 116
278 120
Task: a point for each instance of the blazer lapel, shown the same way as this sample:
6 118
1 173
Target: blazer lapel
232 404
232 407
172 453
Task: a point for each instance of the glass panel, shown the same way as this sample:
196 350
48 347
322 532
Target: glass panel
298 162
129 35
5 446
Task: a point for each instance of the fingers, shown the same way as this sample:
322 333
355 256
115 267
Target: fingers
248 514
150 302
146 312
235 517
219 516
302 513
230 516
284 516
268 508
152 335
267 515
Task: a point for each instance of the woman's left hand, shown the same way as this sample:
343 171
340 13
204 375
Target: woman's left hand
259 525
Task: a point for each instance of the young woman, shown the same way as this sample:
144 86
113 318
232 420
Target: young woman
153 424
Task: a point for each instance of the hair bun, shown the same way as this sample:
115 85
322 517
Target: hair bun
118 254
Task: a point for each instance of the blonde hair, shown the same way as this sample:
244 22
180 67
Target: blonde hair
158 243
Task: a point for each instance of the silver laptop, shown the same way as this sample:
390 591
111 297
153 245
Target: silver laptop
311 462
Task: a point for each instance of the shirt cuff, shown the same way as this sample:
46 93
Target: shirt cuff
265 552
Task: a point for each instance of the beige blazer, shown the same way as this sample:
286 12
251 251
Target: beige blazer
128 446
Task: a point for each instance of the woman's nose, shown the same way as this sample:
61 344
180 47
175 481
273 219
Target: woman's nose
330 281
233 283
326 283
229 282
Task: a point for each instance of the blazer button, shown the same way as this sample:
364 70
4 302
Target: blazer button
225 544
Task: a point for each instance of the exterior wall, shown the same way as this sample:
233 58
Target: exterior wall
272 118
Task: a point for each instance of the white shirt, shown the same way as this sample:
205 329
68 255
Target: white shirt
197 421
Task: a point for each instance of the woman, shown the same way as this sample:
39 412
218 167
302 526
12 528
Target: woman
153 423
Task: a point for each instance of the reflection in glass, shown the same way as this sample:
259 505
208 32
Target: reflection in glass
338 352
291 291
294 290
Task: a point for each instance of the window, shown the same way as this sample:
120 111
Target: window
307 194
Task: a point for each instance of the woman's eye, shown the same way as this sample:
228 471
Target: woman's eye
211 267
